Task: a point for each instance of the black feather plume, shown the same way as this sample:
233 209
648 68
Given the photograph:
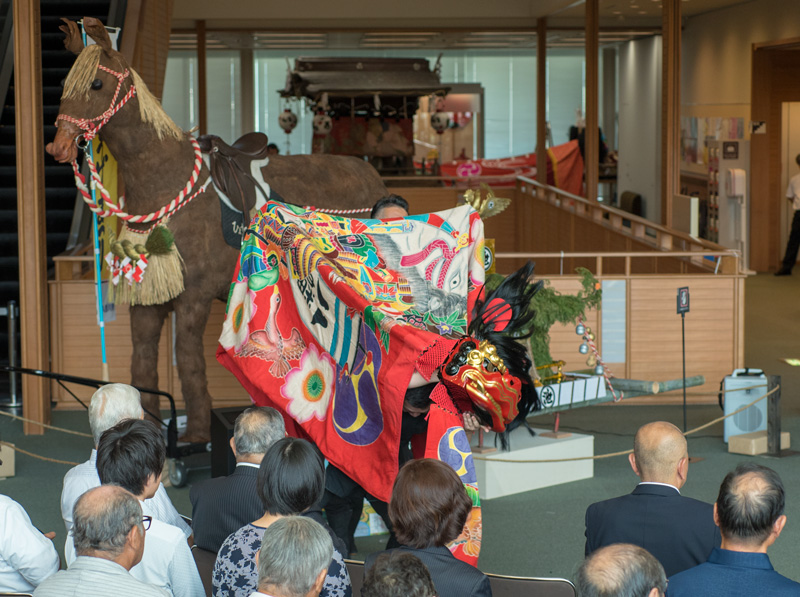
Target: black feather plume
503 318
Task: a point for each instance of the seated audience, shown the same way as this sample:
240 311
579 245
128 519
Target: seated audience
679 531
294 558
109 539
398 574
749 512
429 508
27 556
131 454
291 479
272 149
621 570
109 405
223 505
391 206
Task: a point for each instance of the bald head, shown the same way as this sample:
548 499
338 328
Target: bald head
621 570
659 450
104 517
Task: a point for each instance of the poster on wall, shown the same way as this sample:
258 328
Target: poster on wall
697 131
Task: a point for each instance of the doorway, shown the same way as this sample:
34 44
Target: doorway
790 149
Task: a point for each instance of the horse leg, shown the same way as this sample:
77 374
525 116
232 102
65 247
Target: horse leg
191 313
146 324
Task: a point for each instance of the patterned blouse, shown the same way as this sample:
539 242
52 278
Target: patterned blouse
236 574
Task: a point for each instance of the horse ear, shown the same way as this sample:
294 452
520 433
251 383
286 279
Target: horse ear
97 31
72 39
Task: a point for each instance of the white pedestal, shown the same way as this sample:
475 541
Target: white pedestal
498 479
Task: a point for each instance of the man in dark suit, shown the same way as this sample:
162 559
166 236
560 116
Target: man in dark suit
223 505
679 531
749 512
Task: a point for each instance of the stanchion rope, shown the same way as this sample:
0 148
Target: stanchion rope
624 452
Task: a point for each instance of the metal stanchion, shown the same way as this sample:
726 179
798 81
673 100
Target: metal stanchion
11 313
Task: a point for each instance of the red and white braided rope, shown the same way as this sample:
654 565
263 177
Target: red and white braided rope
87 125
339 212
606 373
107 207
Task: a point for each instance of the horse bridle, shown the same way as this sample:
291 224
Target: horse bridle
90 126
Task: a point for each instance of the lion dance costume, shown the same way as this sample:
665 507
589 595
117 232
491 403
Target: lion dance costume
328 318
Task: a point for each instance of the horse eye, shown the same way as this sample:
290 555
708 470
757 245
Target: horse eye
97 84
63 81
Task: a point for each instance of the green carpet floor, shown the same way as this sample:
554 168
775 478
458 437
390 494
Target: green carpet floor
539 533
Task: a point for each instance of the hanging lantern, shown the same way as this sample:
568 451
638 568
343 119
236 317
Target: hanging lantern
287 120
439 122
322 124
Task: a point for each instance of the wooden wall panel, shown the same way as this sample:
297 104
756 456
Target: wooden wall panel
712 336
75 341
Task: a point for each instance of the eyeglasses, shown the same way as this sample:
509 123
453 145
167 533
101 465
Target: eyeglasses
146 520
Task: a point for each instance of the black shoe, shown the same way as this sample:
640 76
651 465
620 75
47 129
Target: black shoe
784 271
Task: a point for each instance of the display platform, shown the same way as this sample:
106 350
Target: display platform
499 479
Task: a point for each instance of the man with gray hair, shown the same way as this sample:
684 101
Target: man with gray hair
621 570
109 405
109 533
294 558
678 530
223 505
749 513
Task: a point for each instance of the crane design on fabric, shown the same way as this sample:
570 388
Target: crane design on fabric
270 345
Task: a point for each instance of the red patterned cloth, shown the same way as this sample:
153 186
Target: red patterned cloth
329 317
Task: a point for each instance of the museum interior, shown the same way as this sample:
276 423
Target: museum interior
660 227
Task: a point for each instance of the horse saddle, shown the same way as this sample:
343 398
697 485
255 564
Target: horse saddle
230 167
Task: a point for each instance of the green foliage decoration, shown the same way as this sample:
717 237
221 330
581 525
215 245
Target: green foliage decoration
551 306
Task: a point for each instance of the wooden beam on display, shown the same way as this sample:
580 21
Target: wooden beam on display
541 100
202 89
31 212
591 134
670 105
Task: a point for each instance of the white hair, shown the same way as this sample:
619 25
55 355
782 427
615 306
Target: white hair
294 550
111 404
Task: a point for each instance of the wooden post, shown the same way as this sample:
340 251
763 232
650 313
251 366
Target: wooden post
31 211
248 91
202 89
591 135
670 105
541 100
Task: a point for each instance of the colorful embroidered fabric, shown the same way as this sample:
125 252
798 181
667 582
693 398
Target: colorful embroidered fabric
329 317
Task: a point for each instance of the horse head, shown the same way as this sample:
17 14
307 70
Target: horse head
99 85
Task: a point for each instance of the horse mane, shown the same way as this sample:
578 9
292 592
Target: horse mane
84 71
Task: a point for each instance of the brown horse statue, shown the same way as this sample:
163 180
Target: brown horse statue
104 96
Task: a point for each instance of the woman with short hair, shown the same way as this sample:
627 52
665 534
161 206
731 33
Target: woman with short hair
291 480
428 509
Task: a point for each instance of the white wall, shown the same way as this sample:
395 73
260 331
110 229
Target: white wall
716 49
639 168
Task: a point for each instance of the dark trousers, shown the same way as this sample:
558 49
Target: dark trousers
343 514
793 245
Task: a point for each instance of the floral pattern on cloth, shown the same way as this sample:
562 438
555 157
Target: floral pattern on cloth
236 574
